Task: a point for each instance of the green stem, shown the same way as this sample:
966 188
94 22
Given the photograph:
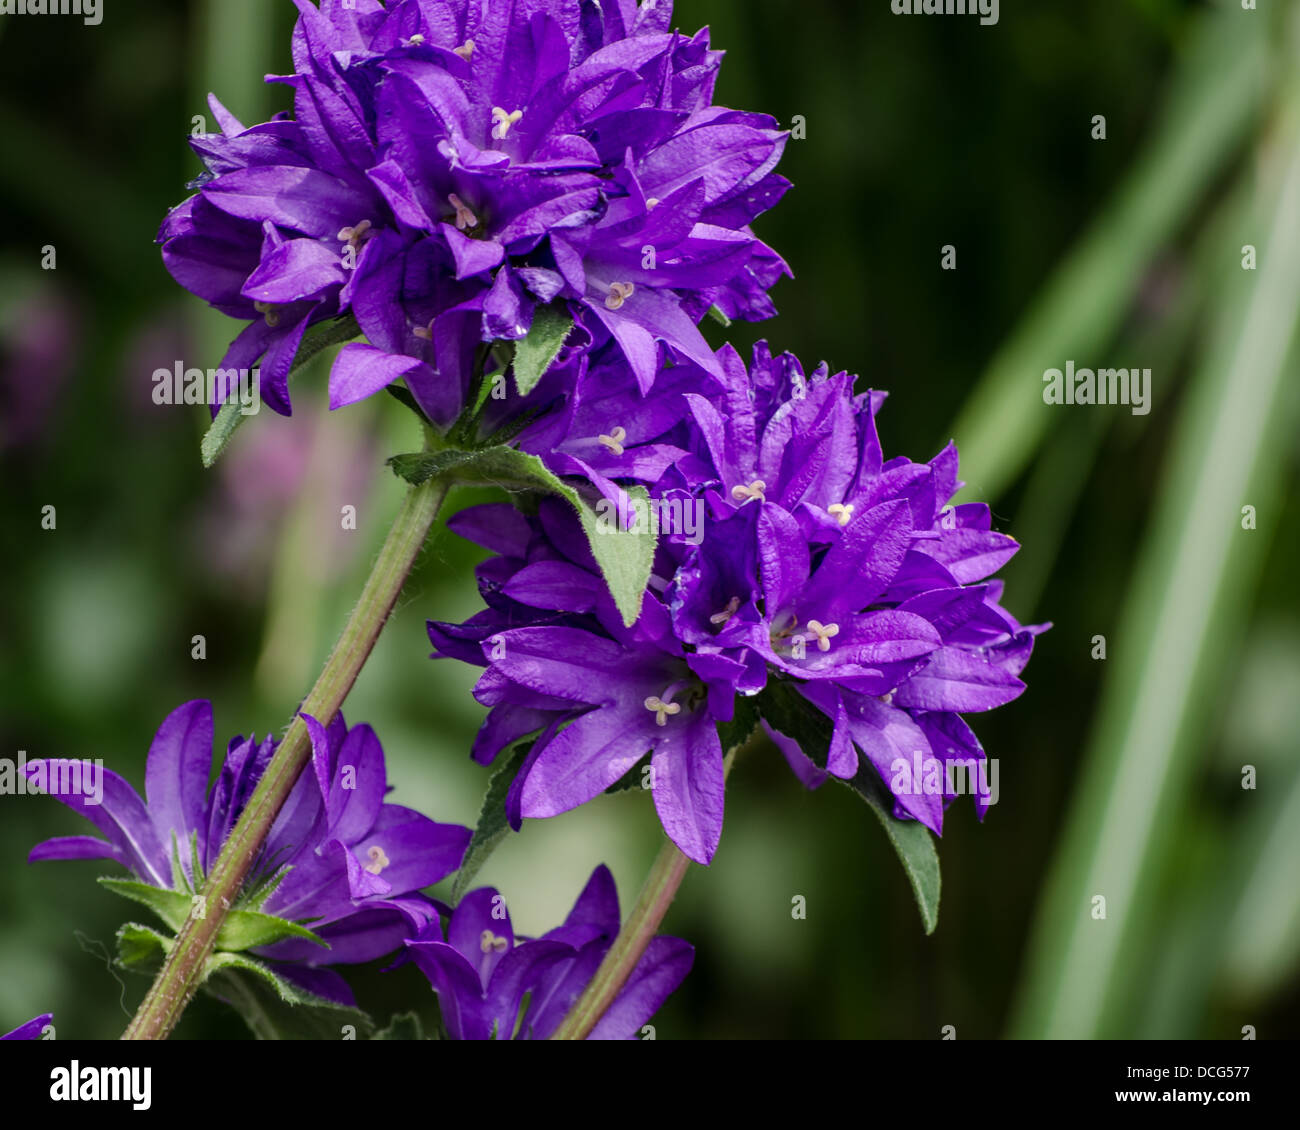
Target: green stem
657 894
183 970
652 904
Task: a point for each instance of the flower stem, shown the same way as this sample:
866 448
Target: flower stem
657 894
183 970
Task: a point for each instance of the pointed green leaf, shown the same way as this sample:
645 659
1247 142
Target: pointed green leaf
273 1009
140 946
536 352
791 714
247 929
715 312
229 416
172 907
624 556
421 466
492 824
911 840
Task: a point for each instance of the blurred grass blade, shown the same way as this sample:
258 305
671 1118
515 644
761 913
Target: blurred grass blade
1217 94
1173 644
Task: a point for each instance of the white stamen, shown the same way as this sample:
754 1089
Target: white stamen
378 860
843 512
417 40
662 709
614 441
652 202
823 632
465 50
355 236
619 292
465 218
504 121
489 942
733 606
744 494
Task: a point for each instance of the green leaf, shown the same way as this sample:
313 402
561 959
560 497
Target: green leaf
403 1026
624 556
912 841
798 719
421 466
172 907
274 1009
140 945
242 929
535 353
247 929
492 824
786 710
229 416
715 312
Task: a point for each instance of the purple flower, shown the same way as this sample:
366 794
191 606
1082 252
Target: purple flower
852 577
560 661
482 973
338 858
453 165
32 1030
825 572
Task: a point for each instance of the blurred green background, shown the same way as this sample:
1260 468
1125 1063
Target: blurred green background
1120 777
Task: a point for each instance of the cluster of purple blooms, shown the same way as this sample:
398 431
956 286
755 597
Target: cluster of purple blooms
822 565
453 165
456 174
350 867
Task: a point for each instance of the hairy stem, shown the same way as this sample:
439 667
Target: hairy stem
183 970
657 894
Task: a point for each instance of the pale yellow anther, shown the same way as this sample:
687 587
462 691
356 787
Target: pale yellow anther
843 512
378 860
754 490
662 709
489 942
465 50
424 333
823 632
733 606
652 202
614 441
504 121
619 292
269 311
355 236
417 40
465 218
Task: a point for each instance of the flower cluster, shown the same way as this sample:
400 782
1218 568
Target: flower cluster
823 568
453 166
545 188
337 858
492 985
